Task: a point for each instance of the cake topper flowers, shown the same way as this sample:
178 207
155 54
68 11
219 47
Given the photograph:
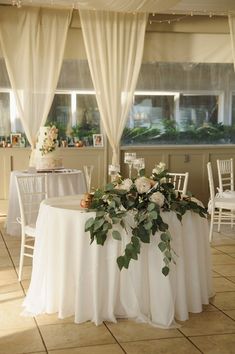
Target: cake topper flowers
50 140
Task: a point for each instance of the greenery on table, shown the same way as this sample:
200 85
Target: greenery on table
146 198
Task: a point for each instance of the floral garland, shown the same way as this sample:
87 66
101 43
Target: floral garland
50 140
147 197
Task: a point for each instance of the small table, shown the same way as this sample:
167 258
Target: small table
72 277
60 183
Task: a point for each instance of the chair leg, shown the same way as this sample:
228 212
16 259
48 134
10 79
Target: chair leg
232 218
211 227
219 219
21 256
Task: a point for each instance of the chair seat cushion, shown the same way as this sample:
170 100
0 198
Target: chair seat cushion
226 194
225 203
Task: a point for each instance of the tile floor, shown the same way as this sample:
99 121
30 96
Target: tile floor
212 331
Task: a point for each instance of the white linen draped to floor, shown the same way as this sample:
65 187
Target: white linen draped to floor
72 277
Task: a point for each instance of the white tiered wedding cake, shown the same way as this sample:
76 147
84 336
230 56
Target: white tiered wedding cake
47 157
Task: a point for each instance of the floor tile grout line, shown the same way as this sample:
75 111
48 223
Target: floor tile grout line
114 337
143 340
194 345
222 311
187 337
40 334
82 346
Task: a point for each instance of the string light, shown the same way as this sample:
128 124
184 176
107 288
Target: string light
179 18
168 20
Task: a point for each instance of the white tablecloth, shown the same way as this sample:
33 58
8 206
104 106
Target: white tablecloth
60 183
72 277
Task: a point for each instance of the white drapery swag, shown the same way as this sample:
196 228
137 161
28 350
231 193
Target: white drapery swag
33 41
114 45
127 6
231 20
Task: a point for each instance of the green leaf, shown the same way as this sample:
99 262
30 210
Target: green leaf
148 225
145 238
106 226
179 217
126 261
100 238
168 255
98 223
162 246
98 194
112 204
100 213
135 241
165 270
165 237
163 226
116 235
166 261
122 224
109 187
89 223
120 262
117 200
115 220
151 206
142 172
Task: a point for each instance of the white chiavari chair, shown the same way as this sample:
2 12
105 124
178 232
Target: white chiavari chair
226 176
221 208
179 180
31 189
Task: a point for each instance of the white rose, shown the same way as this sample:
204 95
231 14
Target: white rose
143 185
126 184
159 168
157 198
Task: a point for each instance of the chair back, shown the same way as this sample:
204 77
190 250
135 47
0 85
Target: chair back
179 180
32 189
225 174
211 182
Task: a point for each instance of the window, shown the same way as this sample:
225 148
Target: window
9 117
178 103
5 126
76 116
174 103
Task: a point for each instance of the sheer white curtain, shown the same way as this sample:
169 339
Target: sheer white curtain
231 20
114 44
33 41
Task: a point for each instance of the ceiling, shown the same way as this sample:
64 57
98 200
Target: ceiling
200 7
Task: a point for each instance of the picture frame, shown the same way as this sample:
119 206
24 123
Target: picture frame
15 139
98 140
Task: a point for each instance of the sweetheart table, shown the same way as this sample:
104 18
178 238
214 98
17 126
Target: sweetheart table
72 277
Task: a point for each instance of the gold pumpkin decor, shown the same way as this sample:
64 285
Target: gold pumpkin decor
86 200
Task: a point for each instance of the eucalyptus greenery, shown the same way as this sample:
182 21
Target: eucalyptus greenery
146 198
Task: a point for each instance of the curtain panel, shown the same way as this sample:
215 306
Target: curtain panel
114 45
33 41
231 20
